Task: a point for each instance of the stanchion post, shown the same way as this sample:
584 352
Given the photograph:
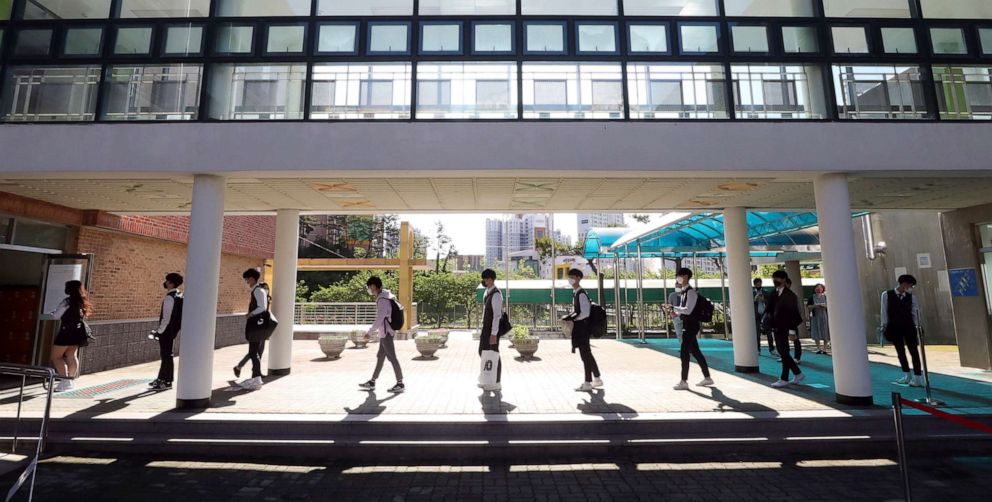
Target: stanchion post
901 445
928 400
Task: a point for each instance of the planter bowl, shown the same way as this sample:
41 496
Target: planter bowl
358 338
526 347
332 346
427 347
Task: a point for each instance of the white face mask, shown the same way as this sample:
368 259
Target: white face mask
678 289
369 289
573 281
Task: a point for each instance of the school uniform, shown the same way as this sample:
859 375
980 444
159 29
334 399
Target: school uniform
386 334
581 333
493 311
257 306
169 322
785 322
900 319
689 348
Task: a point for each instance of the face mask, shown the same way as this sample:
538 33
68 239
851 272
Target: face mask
369 290
678 289
165 285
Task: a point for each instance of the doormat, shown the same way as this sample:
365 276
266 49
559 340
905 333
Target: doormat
99 390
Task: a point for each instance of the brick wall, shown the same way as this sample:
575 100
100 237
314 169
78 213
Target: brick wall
243 235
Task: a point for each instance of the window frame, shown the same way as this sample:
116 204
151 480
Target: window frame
668 38
315 39
303 47
616 38
513 38
564 37
461 38
164 39
720 42
385 22
768 38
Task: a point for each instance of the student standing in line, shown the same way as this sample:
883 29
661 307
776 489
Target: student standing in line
760 309
169 323
581 333
686 310
387 348
491 314
900 321
797 344
818 324
786 320
259 304
72 311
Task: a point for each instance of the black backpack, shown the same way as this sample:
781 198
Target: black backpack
177 311
597 319
704 309
397 318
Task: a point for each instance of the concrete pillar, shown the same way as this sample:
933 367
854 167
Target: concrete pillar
793 268
196 353
284 290
741 299
405 294
852 376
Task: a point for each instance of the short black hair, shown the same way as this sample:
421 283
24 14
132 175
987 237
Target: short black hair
780 274
489 274
174 278
683 272
374 281
757 280
253 273
576 273
788 280
907 279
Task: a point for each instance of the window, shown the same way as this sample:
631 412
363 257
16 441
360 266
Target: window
800 39
263 8
495 38
699 38
337 38
879 92
899 40
433 94
133 41
343 91
262 91
749 38
985 35
152 92
468 8
850 39
572 91
670 8
957 9
769 8
466 90
772 91
441 38
597 38
82 41
545 38
5 6
676 91
389 38
165 8
183 40
285 39
50 93
33 43
364 7
1 40
235 39
569 7
948 41
964 92
867 8
67 9
649 38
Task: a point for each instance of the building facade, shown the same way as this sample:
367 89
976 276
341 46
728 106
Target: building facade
585 221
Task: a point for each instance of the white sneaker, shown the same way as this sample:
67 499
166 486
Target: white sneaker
251 384
916 382
780 383
492 388
61 386
775 355
257 382
778 359
482 385
683 385
798 379
70 384
585 387
597 382
904 380
706 382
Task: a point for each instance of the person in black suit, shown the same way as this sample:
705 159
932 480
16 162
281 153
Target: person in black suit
785 322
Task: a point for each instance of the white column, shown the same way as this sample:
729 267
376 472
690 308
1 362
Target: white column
852 376
196 351
794 269
284 290
741 298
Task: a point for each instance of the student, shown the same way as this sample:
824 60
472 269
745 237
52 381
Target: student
387 349
581 309
819 325
900 321
797 344
686 310
785 321
760 309
72 311
491 314
169 322
259 304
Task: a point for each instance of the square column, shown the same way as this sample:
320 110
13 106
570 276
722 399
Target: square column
741 297
849 340
196 352
284 290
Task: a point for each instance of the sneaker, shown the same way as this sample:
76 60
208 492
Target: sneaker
398 388
904 380
257 382
493 388
780 383
916 382
61 386
370 385
683 385
585 387
597 382
798 379
778 359
248 384
162 385
70 384
237 371
774 354
706 382
154 383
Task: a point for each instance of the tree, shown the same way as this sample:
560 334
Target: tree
643 219
443 246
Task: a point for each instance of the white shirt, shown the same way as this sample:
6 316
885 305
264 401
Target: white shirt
167 305
690 302
261 298
383 311
885 308
497 302
585 307
61 309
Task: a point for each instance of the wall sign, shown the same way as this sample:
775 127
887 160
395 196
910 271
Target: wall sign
923 260
964 282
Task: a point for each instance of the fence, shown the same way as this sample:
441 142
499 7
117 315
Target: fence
48 377
308 314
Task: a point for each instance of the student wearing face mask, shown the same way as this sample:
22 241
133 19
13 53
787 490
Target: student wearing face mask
581 309
381 327
259 303
900 320
689 348
491 314
169 324
785 322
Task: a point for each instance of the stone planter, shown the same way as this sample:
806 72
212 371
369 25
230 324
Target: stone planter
427 346
358 338
441 335
526 347
332 345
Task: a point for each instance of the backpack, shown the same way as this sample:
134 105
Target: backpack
597 320
397 317
177 312
704 309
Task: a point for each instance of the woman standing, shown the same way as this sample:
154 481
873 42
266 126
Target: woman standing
819 327
72 311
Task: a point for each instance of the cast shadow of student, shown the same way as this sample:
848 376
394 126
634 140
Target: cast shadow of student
597 405
493 404
224 397
725 403
371 407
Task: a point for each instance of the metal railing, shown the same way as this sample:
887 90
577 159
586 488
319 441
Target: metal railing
309 314
48 376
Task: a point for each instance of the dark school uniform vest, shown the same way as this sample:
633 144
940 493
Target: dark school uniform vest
900 311
175 319
488 315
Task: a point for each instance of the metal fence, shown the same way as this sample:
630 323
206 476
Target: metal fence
309 314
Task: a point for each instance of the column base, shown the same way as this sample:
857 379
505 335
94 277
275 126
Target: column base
746 369
281 372
855 400
193 404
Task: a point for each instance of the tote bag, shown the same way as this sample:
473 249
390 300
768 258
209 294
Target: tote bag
490 362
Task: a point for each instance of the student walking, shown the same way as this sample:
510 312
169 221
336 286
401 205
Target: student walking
818 322
491 314
258 304
785 321
760 309
384 300
900 322
688 313
169 323
797 344
581 332
73 333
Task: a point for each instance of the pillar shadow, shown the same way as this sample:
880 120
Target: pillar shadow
597 405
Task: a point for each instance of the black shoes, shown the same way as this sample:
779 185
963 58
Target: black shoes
237 372
370 385
160 385
396 389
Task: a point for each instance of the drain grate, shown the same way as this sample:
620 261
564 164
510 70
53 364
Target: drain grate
99 390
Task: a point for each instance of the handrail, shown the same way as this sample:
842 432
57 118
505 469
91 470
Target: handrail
33 372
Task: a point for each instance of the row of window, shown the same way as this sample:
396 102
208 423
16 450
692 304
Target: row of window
488 90
493 38
102 9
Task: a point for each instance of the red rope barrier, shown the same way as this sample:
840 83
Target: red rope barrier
971 424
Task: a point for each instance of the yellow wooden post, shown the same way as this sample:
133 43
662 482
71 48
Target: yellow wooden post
406 272
268 271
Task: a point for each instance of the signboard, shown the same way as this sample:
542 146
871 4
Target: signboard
964 282
923 260
58 275
900 271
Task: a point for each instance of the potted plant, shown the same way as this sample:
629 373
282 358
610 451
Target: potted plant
428 344
441 334
358 338
525 344
332 345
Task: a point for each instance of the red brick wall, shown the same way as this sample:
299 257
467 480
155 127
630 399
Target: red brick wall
244 235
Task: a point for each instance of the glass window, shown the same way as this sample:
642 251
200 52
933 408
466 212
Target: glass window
546 38
1 40
364 7
467 90
985 35
285 39
33 43
670 8
5 6
50 93
443 38
572 91
183 40
389 38
948 41
649 38
263 91
964 92
867 8
234 39
850 39
778 91
82 41
957 9
343 91
468 8
133 41
38 235
769 8
67 9
899 40
597 38
749 38
164 8
152 92
338 38
699 38
677 91
492 38
800 39
569 7
879 92
262 8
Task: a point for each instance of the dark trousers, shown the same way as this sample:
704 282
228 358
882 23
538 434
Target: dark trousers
589 365
387 350
768 334
690 349
244 360
798 346
788 363
255 350
485 345
903 343
166 371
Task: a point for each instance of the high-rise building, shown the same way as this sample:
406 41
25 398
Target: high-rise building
597 220
513 235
